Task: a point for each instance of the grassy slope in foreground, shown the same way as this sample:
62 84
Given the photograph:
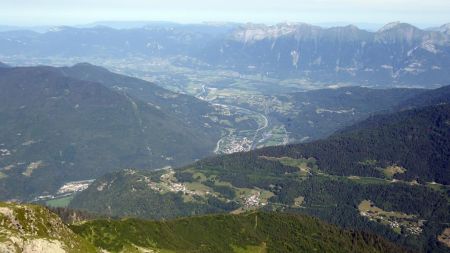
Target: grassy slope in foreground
32 228
249 232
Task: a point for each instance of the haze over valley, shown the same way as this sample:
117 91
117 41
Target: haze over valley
255 135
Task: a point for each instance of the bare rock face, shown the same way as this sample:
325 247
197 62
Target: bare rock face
42 245
34 229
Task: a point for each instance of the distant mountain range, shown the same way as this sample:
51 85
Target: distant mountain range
396 54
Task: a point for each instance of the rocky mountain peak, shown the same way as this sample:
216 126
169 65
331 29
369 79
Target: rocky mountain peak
445 28
397 26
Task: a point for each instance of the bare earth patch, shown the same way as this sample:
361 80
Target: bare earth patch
299 201
31 167
41 245
445 237
391 171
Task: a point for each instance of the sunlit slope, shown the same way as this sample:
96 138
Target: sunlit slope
249 232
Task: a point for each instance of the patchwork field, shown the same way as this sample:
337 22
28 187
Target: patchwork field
59 202
397 221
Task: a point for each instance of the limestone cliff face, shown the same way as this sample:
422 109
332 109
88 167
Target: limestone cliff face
398 53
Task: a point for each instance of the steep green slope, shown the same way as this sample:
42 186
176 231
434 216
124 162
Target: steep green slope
373 162
418 140
30 228
190 110
427 98
56 129
249 232
316 114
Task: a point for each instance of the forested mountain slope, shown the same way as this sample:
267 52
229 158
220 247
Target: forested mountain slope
316 114
57 128
382 167
418 140
249 232
427 98
189 109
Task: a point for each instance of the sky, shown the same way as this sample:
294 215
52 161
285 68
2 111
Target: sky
76 12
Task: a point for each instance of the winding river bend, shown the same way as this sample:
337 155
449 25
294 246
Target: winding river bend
233 138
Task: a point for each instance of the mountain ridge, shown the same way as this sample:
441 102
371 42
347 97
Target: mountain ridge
66 122
398 55
31 228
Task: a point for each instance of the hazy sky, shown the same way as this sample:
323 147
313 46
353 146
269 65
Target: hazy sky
69 12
